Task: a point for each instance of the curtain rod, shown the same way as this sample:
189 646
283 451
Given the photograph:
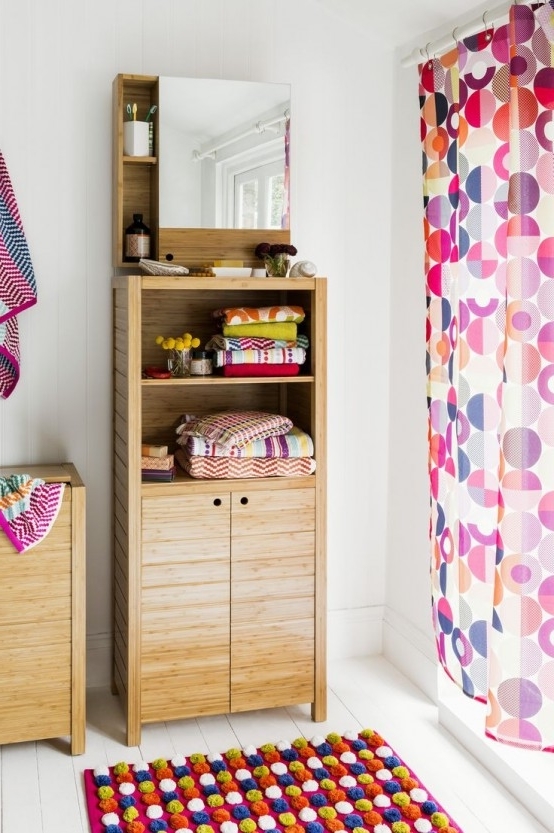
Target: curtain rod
259 127
446 42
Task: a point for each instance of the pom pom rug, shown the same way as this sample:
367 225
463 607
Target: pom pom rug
353 782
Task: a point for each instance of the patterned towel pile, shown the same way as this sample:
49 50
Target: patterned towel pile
259 341
17 282
238 444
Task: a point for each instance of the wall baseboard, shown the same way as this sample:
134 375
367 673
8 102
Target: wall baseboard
99 660
354 633
411 651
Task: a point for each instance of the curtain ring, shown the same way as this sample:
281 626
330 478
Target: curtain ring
454 35
429 59
488 34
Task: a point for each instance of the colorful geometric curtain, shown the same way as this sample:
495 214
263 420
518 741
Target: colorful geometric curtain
487 125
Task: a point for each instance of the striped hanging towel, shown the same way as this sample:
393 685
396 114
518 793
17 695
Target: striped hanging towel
17 282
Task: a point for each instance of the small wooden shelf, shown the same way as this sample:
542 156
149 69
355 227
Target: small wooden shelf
140 160
134 178
211 381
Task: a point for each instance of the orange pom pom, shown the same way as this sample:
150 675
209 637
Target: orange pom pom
372 817
108 805
178 822
220 815
151 798
411 811
297 802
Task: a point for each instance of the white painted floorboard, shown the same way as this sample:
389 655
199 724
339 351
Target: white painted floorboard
41 783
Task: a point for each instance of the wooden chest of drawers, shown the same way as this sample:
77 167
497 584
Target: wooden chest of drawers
42 623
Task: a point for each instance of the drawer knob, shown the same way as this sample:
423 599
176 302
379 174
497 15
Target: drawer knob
244 500
217 501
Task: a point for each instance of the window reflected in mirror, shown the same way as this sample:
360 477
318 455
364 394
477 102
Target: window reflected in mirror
224 154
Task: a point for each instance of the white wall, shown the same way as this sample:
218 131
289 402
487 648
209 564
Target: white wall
57 63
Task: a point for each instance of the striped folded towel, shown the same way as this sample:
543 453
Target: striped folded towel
294 444
282 355
227 467
254 343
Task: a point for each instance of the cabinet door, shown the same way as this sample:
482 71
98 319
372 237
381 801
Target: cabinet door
185 606
272 598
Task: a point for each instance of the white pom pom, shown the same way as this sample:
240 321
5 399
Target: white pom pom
178 760
381 800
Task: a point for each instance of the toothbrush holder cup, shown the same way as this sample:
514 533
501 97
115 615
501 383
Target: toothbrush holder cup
135 138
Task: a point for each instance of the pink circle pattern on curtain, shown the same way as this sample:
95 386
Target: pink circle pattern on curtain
487 131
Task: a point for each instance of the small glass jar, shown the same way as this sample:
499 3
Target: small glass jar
179 362
201 363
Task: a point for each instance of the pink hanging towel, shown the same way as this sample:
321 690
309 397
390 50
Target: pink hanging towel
17 282
28 509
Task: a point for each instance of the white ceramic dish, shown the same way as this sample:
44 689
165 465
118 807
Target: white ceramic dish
231 272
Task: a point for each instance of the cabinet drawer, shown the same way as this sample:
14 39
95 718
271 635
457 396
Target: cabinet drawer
36 585
35 695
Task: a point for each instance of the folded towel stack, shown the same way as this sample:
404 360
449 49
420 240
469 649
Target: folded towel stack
259 341
243 444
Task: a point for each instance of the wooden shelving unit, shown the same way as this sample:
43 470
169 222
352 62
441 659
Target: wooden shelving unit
220 585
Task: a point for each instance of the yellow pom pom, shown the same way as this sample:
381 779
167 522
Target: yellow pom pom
171 343
159 339
195 342
187 336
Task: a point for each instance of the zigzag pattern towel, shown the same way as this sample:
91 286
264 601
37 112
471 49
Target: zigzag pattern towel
17 282
28 509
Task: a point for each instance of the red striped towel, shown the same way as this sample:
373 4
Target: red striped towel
261 369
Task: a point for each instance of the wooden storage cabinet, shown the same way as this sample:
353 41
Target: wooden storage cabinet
42 624
220 597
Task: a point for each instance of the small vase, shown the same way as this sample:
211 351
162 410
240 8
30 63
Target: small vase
178 362
277 266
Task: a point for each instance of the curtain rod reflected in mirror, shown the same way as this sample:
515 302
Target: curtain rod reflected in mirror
224 154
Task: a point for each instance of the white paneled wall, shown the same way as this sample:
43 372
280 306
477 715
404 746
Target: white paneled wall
57 62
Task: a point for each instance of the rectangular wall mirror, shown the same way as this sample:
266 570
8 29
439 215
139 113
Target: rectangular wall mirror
224 154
